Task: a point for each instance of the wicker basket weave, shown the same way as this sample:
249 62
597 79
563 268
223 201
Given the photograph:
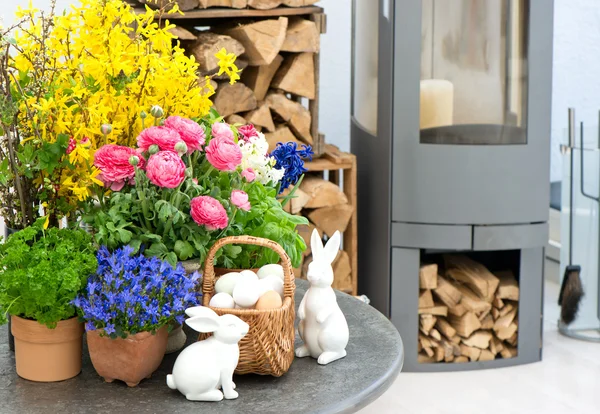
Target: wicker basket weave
268 348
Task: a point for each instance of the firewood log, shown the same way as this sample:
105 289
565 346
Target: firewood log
281 134
461 360
297 202
293 113
262 40
302 36
182 34
231 99
258 78
472 274
508 287
471 352
471 301
235 4
508 352
207 44
332 219
438 310
342 271
264 4
261 117
184 5
322 193
479 339
486 355
445 328
297 75
447 293
299 3
425 299
465 325
235 119
427 322
428 276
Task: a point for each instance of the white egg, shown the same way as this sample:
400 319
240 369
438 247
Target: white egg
271 269
246 293
272 282
227 282
248 275
222 300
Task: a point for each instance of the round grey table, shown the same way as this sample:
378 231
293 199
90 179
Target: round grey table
375 357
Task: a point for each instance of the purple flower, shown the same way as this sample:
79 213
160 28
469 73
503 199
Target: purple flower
132 294
89 326
291 159
110 328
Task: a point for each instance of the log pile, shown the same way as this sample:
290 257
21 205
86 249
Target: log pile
186 5
467 314
279 71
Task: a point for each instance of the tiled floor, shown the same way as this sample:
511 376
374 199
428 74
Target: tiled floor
567 381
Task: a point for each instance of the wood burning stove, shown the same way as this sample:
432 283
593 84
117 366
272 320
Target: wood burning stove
451 128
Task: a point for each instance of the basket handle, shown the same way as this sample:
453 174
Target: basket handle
209 264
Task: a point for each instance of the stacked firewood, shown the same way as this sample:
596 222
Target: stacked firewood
468 314
277 59
328 210
186 5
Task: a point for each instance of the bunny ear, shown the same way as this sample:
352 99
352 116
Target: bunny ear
332 247
203 324
316 245
201 311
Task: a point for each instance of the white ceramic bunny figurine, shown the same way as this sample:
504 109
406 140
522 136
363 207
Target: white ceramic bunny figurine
205 366
322 327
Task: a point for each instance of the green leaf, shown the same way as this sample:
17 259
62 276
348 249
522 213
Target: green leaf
184 250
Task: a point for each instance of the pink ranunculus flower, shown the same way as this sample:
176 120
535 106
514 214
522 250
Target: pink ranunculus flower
222 130
249 174
190 132
207 211
223 153
113 163
239 199
166 138
165 169
247 131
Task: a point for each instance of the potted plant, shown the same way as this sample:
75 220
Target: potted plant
191 183
127 307
41 272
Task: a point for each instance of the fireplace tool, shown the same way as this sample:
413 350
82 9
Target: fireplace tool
571 291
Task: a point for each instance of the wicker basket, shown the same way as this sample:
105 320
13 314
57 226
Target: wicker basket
268 348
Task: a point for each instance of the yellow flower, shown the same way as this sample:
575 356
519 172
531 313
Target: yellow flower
227 65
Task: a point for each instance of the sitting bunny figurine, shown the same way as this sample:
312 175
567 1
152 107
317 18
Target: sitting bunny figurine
322 327
204 367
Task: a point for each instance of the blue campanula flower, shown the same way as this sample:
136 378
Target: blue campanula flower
131 294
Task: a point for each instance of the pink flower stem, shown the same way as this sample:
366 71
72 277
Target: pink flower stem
207 173
235 210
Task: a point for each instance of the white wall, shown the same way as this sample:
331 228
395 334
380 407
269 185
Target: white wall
576 70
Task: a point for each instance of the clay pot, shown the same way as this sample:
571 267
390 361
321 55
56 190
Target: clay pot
44 354
11 339
131 359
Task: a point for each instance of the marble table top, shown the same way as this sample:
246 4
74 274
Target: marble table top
375 357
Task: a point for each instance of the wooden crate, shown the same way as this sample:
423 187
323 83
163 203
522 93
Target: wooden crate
339 164
218 16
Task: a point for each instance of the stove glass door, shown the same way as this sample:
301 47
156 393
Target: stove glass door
474 75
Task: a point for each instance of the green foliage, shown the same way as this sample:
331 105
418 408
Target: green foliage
42 271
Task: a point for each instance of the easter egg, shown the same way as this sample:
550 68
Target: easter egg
272 282
222 300
227 282
246 293
248 275
269 300
271 269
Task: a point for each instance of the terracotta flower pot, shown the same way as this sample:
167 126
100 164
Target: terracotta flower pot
47 355
131 359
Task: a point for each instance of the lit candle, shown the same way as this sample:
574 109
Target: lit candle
437 103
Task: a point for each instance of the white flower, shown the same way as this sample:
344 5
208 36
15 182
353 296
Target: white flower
254 155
